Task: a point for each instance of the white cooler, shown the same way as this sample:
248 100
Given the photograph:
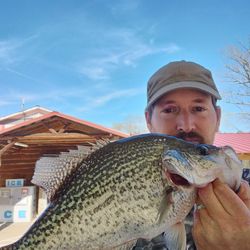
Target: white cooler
17 204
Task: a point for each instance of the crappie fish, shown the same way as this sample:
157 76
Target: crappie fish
132 188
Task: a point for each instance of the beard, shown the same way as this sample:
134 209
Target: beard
191 136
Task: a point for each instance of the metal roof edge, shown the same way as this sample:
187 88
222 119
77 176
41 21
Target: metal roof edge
24 111
55 113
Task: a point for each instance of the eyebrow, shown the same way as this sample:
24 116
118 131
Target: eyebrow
200 100
196 100
167 102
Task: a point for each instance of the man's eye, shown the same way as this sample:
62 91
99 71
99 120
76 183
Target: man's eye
170 110
198 109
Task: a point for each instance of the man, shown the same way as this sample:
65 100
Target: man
182 102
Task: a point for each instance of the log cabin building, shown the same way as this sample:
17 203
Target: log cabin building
28 135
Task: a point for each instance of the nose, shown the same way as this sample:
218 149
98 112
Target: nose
185 122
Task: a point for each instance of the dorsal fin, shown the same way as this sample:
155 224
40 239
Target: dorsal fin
52 170
99 143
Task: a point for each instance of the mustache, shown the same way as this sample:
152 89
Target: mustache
183 135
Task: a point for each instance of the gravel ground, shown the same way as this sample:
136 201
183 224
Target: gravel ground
10 232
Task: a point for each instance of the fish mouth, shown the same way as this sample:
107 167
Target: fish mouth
177 180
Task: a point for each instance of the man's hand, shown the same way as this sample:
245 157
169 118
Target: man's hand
224 222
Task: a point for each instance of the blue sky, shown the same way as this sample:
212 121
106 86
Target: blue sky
92 59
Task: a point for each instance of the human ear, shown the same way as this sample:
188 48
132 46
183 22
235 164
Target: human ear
148 120
218 115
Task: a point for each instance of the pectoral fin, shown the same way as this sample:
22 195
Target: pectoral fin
165 203
126 246
176 237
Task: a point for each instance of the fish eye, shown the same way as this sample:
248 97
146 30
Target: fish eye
203 150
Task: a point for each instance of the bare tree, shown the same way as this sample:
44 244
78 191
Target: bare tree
238 73
132 125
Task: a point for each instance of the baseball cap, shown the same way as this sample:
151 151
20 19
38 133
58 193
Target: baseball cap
180 74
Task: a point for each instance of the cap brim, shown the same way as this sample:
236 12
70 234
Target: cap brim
187 84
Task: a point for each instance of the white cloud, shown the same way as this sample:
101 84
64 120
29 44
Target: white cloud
114 95
123 48
5 103
171 48
119 7
6 51
54 95
15 97
98 101
22 75
94 73
9 49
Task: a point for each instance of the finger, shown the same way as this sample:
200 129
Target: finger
230 201
211 202
202 227
197 228
199 206
198 203
244 193
204 217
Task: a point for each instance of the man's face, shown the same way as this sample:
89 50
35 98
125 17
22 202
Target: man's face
186 113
